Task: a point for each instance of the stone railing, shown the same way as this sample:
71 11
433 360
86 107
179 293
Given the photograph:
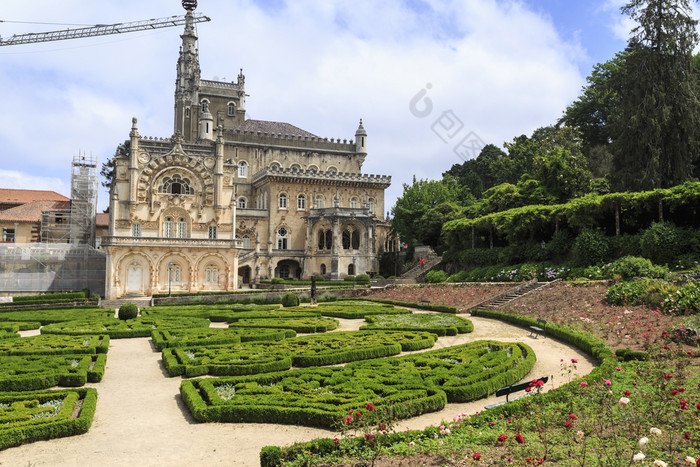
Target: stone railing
172 242
384 180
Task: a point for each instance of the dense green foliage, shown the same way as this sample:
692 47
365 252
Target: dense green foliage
302 325
32 416
321 397
33 372
56 345
128 311
118 329
358 310
184 337
289 300
56 316
441 325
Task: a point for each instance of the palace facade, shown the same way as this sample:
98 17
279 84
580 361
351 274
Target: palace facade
227 201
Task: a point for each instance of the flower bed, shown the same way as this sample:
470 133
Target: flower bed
32 372
56 316
317 350
56 345
442 325
407 386
214 336
33 416
120 329
302 325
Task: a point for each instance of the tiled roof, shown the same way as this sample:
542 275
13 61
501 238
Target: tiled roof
31 212
10 195
273 127
102 219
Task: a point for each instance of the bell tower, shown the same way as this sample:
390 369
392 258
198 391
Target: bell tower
187 107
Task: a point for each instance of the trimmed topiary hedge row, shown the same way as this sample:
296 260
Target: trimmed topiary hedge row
33 372
119 329
322 397
317 350
216 314
215 336
4 334
582 341
442 325
351 311
56 345
32 416
50 316
301 325
419 306
14 326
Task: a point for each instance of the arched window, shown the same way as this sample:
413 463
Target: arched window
355 240
182 228
312 169
323 269
176 185
346 239
242 169
353 203
283 201
168 228
295 168
231 109
351 269
242 203
274 166
246 242
212 274
319 202
301 202
282 239
205 105
329 239
371 205
321 239
174 273
332 170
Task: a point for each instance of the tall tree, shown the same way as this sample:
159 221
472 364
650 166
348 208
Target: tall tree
656 136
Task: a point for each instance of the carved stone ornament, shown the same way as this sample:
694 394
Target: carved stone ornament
209 162
144 158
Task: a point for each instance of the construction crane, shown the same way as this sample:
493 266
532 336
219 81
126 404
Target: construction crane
106 29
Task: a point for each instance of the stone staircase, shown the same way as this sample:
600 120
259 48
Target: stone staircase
422 270
137 299
515 293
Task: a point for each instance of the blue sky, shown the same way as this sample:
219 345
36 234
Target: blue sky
491 70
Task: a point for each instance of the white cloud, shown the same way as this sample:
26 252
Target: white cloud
321 65
23 181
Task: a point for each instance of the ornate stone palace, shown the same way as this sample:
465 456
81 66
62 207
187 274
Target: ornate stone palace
227 201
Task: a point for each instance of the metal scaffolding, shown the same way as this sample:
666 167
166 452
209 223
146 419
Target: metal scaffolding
83 206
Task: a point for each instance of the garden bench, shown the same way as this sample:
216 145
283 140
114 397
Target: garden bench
425 302
539 329
507 390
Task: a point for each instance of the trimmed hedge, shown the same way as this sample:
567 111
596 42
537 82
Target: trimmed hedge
215 336
118 329
301 325
582 341
342 310
33 372
321 397
441 325
24 429
49 316
419 306
52 296
317 350
56 345
216 314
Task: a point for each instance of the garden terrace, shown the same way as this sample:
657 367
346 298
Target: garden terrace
300 325
32 372
215 336
33 416
442 325
317 350
56 316
122 329
322 397
56 345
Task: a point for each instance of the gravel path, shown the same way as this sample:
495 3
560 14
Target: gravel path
141 419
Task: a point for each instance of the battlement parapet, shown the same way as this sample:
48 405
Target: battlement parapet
297 141
315 175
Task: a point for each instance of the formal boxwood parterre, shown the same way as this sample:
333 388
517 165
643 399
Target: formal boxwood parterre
442 324
56 316
321 397
119 329
353 311
56 345
216 336
32 416
5 334
32 372
419 306
222 315
14 326
316 350
301 325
